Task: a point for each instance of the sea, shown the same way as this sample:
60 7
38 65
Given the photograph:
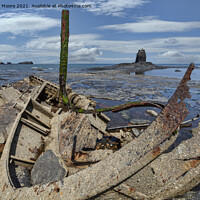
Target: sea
12 73
15 72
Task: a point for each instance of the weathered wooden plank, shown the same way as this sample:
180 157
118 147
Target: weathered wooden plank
25 161
35 126
37 119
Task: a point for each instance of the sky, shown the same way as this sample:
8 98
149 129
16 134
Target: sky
101 31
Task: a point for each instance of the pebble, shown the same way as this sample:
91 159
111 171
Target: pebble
135 132
152 113
139 121
125 114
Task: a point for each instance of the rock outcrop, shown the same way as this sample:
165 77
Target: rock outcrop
141 56
138 67
26 63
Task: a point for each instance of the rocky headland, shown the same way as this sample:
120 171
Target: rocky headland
138 67
26 63
20 63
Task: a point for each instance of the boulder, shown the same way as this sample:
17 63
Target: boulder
177 70
141 56
48 168
7 117
9 94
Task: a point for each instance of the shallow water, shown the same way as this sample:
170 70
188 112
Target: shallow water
12 73
173 73
15 72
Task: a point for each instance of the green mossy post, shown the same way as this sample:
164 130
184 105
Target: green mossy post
64 56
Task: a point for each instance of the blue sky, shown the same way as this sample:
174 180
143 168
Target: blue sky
102 31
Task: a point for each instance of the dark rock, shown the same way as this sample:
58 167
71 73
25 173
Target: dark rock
38 69
47 169
26 63
7 117
141 56
1 63
139 72
177 70
9 94
9 63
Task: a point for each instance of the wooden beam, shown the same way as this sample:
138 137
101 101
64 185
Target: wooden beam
37 127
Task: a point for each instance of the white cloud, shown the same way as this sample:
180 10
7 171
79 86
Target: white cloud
172 54
44 43
184 48
81 40
91 48
184 44
53 43
85 55
12 37
18 23
178 57
111 7
79 50
7 52
153 25
7 48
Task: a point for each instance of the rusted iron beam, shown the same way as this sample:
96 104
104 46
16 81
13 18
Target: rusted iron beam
121 107
137 104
